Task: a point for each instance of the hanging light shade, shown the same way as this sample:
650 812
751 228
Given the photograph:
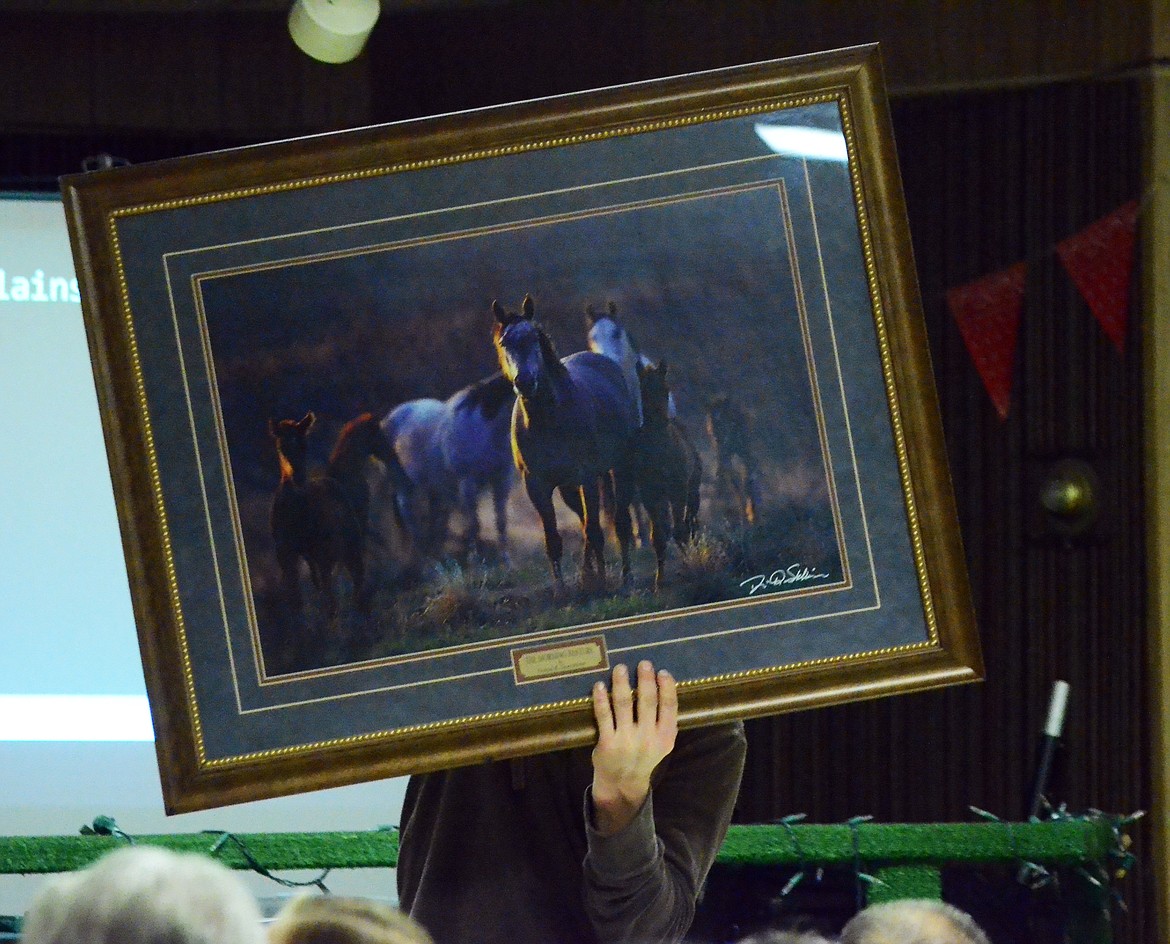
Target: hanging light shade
332 30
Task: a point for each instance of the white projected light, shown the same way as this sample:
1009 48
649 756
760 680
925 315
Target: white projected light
75 718
67 638
816 144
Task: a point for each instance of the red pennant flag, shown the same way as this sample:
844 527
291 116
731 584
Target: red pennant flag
987 312
1099 260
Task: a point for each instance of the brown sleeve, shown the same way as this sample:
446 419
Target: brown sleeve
642 883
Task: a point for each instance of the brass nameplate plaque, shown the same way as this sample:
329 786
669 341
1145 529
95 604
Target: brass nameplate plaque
546 662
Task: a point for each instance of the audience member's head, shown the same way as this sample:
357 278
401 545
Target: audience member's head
912 921
144 895
785 937
330 919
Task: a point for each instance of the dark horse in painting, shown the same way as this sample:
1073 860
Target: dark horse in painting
736 479
666 468
571 426
324 520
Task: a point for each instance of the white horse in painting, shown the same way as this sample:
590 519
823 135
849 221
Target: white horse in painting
609 337
451 451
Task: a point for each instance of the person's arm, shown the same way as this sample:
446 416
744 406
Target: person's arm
650 847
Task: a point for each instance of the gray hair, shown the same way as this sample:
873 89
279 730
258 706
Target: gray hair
913 921
785 937
144 895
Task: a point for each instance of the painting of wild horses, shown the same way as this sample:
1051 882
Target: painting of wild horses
613 491
327 367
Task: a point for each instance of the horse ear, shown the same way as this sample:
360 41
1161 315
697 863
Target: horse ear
527 308
498 311
612 309
271 427
307 422
662 367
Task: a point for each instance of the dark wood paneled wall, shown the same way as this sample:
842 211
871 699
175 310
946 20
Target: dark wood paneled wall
991 179
224 73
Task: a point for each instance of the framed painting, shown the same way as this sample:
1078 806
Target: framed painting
417 430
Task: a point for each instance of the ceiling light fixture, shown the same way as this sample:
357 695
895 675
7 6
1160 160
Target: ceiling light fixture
332 30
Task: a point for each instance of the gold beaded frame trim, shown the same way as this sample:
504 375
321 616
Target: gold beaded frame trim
948 652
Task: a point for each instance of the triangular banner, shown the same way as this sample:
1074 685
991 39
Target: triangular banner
1099 260
987 312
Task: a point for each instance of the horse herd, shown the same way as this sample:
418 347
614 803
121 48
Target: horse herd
597 427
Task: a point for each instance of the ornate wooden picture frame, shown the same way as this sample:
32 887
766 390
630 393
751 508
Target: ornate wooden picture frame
354 388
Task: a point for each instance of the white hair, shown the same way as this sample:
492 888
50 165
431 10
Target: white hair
785 937
912 921
145 895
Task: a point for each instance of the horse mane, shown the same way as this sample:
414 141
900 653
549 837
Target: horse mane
548 349
346 431
489 396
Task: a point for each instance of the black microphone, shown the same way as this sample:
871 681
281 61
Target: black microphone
1053 726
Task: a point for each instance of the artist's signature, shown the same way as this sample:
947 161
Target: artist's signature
782 577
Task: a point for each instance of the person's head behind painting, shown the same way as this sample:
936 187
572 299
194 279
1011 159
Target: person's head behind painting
144 895
333 919
912 921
